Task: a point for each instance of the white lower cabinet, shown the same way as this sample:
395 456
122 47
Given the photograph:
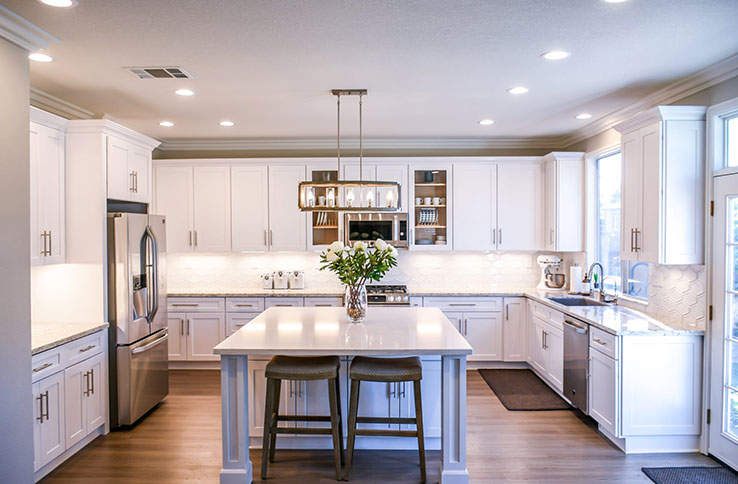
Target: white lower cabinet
514 329
603 390
194 335
545 348
48 420
83 402
70 400
236 321
323 302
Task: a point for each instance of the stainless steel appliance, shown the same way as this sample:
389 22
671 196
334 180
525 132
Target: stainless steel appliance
137 310
368 227
576 360
386 295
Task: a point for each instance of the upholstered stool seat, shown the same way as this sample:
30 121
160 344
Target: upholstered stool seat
389 370
301 369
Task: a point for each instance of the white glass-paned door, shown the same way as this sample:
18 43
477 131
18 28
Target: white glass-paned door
723 426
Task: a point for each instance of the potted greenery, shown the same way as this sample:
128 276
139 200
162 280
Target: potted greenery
355 266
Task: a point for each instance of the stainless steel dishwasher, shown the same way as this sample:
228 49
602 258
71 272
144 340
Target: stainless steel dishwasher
576 362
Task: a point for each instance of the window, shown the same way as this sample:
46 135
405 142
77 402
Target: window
629 277
731 141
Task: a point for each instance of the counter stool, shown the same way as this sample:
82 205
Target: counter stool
390 370
301 368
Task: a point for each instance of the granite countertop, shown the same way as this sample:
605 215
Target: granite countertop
256 292
48 335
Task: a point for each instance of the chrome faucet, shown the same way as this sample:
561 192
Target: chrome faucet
590 273
609 298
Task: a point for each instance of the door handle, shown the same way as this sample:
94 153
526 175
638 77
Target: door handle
637 246
42 367
92 381
190 238
86 392
188 326
135 181
632 245
494 237
195 238
130 180
507 312
148 346
40 417
265 237
551 236
50 240
45 396
181 327
86 348
500 237
271 238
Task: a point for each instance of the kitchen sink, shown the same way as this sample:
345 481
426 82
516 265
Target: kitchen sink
577 301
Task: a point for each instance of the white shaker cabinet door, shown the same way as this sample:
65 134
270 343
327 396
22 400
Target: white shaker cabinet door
249 210
120 176
519 212
603 395
212 209
555 357
75 386
49 414
95 403
536 346
139 161
550 227
177 338
173 198
430 387
287 225
393 173
204 331
514 329
475 207
647 240
631 193
483 331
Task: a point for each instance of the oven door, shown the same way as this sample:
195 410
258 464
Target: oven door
368 227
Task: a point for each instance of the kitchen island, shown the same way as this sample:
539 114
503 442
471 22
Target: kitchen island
318 331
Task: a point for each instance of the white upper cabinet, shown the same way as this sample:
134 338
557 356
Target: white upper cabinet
564 202
173 198
47 165
287 224
662 187
128 171
212 209
519 205
475 206
249 207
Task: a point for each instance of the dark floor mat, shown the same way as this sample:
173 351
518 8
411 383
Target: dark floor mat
522 390
691 475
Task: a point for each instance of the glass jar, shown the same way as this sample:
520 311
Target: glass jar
355 302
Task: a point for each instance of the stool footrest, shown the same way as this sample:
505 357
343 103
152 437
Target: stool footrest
387 420
303 430
303 418
387 433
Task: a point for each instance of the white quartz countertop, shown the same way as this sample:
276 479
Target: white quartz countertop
614 319
326 331
48 335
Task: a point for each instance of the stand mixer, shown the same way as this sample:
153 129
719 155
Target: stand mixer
551 280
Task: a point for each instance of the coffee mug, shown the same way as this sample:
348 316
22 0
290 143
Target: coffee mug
321 200
436 200
418 201
443 201
427 200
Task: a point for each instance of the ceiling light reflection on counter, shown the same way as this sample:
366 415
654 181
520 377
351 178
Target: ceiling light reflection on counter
583 116
59 3
184 92
166 124
227 124
38 57
555 55
517 90
486 122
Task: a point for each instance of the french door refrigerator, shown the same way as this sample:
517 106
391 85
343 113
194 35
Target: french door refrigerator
137 310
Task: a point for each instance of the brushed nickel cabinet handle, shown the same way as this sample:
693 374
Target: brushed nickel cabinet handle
188 327
130 181
87 384
50 239
271 238
40 417
190 241
602 342
92 381
470 305
265 237
189 305
507 312
45 396
42 367
494 237
551 236
86 348
500 237
195 238
244 305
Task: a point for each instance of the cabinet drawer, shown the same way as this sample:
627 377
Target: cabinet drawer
196 304
46 363
234 322
318 302
465 304
541 310
244 304
82 348
556 319
604 342
286 302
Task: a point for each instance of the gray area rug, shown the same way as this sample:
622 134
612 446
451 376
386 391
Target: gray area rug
691 475
522 390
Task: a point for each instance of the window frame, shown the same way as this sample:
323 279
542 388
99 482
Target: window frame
613 150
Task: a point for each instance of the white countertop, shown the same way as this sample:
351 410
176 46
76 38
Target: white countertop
47 335
326 331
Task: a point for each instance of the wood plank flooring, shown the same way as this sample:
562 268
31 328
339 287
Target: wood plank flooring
179 442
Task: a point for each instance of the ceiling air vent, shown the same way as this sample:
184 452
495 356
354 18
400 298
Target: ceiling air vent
159 72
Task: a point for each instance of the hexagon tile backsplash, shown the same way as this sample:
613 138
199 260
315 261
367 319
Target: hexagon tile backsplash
676 293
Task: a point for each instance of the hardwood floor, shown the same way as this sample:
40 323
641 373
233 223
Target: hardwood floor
179 442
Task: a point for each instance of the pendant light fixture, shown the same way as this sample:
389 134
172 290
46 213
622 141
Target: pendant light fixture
349 195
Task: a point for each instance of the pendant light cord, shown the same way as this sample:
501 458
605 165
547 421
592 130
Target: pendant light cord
361 140
338 136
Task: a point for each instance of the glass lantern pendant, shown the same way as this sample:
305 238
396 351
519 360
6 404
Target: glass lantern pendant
349 195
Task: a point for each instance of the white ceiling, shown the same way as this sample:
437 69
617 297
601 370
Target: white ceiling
433 68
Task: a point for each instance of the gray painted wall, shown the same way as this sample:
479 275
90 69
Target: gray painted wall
16 444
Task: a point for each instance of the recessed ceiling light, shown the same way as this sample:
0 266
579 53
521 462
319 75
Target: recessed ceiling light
184 92
40 57
227 123
518 90
486 122
59 3
583 116
615 1
555 55
166 124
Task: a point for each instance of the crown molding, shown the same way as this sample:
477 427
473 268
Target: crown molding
105 126
47 102
661 113
48 119
353 144
23 33
700 80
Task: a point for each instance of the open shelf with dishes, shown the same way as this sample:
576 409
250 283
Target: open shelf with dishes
430 210
324 225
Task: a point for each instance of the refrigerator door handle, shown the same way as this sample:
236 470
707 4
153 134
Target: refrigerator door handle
150 261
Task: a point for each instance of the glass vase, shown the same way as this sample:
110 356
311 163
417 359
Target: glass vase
355 302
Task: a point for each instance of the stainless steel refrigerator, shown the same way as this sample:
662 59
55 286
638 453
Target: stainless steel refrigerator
137 310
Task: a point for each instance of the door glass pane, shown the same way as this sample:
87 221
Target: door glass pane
732 353
731 410
731 138
733 214
608 214
732 320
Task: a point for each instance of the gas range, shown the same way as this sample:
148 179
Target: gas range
387 295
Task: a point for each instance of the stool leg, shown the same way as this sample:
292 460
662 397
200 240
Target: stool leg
335 422
275 420
353 411
340 419
268 406
419 425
